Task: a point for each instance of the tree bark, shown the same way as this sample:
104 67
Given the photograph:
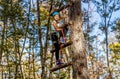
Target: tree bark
78 47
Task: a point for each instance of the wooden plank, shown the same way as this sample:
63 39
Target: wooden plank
60 66
63 46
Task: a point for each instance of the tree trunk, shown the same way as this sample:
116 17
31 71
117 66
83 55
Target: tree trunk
29 60
78 46
33 59
40 41
2 39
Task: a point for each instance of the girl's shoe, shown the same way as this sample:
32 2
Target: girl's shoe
62 40
59 62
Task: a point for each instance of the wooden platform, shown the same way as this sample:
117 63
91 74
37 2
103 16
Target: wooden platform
60 66
63 46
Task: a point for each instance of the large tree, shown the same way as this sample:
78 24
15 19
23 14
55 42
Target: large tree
77 37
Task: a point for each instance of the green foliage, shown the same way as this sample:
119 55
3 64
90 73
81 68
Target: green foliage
115 58
17 18
61 75
115 47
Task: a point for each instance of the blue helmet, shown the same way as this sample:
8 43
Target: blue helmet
55 13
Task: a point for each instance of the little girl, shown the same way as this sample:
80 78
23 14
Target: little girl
59 28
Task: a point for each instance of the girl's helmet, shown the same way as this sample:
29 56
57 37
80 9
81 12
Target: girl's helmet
55 13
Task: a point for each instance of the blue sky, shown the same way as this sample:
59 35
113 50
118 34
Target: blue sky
96 18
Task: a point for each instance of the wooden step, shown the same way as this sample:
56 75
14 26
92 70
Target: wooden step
60 66
63 46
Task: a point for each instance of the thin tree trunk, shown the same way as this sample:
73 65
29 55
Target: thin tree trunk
8 58
2 41
33 57
15 50
106 41
15 40
51 65
29 66
46 45
20 58
40 41
2 72
8 64
78 48
28 24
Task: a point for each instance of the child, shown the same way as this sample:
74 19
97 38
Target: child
59 30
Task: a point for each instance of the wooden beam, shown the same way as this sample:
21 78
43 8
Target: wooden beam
63 46
60 66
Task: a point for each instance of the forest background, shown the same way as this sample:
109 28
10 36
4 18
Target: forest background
25 44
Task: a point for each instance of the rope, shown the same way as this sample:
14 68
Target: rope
61 44
61 51
63 33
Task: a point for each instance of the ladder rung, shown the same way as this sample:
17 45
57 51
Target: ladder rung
63 46
60 66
